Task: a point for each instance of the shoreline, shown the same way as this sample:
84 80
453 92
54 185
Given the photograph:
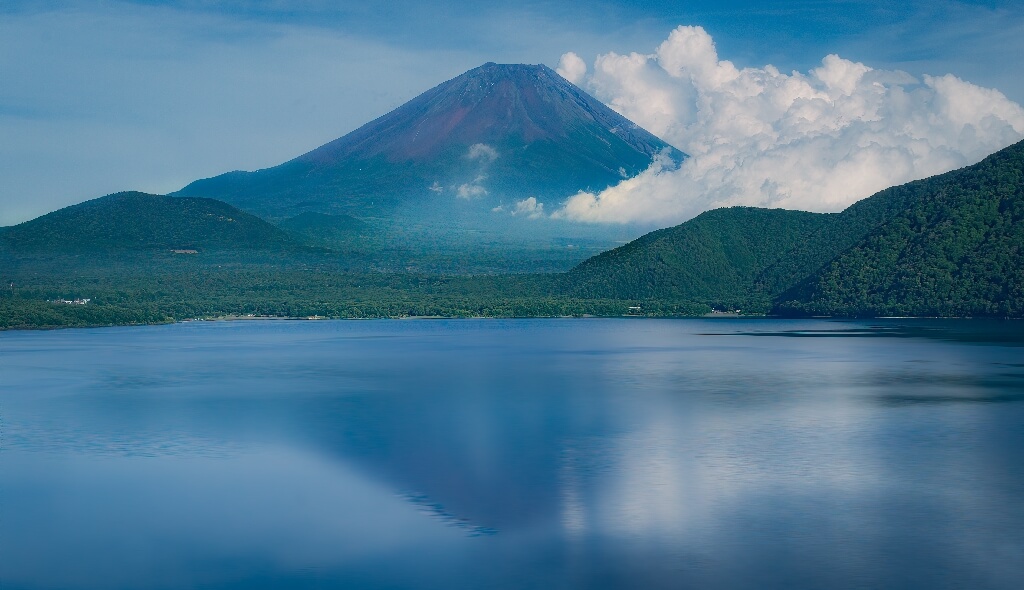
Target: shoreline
718 316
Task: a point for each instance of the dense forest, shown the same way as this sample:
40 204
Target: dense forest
134 221
717 257
949 245
144 289
953 246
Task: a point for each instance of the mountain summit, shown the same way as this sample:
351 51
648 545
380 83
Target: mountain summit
492 137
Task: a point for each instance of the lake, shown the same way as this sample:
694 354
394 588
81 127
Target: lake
449 454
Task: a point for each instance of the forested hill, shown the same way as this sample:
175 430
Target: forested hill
949 245
140 221
716 257
955 249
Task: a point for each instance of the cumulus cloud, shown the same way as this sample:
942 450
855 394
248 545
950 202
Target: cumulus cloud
817 141
572 68
529 207
472 190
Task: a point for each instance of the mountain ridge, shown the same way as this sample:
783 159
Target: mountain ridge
944 246
951 247
132 220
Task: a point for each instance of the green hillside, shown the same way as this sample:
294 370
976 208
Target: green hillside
734 257
716 257
949 245
956 249
140 221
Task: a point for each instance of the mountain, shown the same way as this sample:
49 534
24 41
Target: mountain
954 250
329 229
140 221
949 245
489 138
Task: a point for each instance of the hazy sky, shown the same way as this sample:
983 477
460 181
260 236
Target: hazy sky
97 97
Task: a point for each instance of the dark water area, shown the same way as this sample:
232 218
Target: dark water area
514 454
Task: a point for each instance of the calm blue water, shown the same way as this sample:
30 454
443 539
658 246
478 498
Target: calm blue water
514 454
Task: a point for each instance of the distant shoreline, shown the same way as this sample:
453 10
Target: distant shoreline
230 319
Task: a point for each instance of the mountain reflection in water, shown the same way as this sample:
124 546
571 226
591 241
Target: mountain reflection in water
510 454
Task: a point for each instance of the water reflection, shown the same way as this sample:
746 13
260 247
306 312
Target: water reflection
597 454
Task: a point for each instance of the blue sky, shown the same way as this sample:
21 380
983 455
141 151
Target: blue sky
104 96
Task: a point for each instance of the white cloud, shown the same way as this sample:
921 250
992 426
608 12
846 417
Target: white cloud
654 188
817 141
482 152
484 155
529 207
472 190
572 68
